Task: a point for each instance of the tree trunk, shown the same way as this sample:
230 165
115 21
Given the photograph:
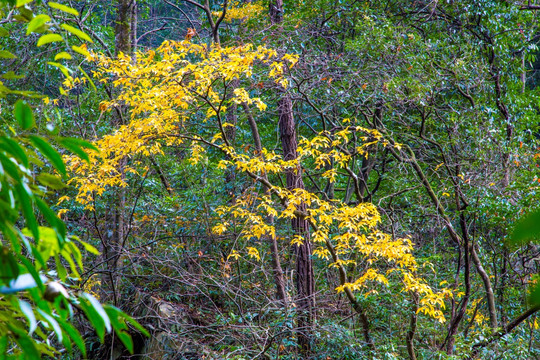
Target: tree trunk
305 283
277 271
122 27
304 268
114 237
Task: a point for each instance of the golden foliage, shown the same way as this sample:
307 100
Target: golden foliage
238 10
181 85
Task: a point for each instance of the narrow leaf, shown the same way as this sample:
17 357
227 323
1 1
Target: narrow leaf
51 181
115 312
99 309
78 142
126 340
63 8
51 154
25 342
62 55
49 38
22 2
25 200
62 68
11 75
80 50
80 34
75 336
4 54
95 319
54 324
14 149
26 309
24 115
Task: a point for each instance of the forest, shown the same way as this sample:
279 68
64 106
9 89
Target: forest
269 179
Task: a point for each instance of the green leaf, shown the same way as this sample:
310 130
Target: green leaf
527 228
4 54
76 146
78 142
119 325
49 38
25 14
67 256
72 249
25 342
62 55
99 309
95 319
51 154
63 8
24 115
60 268
36 23
15 150
90 248
126 340
25 200
62 68
75 336
51 181
8 166
11 75
80 34
53 220
87 78
119 314
9 230
22 2
3 32
9 270
3 344
80 50
26 309
53 323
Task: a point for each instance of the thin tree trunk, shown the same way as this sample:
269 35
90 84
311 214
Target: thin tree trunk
458 317
122 28
412 328
487 286
115 236
277 270
300 226
305 282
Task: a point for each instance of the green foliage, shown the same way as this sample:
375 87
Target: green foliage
40 263
527 229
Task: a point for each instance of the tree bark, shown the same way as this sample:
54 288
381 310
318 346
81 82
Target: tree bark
304 268
409 340
122 27
305 283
